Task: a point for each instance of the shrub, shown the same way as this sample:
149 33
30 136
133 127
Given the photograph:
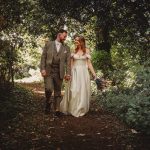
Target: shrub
131 103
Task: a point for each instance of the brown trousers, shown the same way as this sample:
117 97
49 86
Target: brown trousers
53 83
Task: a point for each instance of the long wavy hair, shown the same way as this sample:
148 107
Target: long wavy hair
82 42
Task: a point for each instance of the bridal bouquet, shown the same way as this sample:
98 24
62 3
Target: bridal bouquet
100 82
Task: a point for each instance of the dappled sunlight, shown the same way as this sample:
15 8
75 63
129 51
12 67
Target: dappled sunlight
116 35
35 76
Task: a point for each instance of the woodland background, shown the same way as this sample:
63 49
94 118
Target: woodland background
116 31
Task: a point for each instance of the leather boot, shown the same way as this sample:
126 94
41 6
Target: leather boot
57 106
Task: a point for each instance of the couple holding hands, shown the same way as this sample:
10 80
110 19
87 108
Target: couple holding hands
58 63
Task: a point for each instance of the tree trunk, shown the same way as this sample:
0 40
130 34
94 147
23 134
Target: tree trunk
103 43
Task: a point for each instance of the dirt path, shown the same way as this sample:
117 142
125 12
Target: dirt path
98 130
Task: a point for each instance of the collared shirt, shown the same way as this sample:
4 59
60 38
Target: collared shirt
58 45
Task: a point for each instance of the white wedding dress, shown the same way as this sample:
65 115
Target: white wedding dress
77 92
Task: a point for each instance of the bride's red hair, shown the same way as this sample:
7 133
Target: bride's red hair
83 44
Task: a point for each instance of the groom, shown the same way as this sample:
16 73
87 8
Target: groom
55 64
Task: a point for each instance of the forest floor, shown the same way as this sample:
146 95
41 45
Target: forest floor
97 130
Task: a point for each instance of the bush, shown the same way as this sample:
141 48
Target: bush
131 103
101 60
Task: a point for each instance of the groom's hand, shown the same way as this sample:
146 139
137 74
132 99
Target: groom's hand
43 73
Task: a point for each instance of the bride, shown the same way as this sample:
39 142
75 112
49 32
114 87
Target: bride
76 99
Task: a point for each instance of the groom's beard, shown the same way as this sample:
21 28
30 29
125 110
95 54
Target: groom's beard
62 41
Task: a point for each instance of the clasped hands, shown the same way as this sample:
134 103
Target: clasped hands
66 77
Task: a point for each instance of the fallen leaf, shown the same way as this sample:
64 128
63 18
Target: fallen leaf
98 133
134 131
81 134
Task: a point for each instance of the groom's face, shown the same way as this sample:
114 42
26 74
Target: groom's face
62 36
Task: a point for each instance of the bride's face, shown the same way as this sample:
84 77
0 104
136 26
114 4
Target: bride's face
76 42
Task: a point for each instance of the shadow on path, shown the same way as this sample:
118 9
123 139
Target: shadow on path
98 130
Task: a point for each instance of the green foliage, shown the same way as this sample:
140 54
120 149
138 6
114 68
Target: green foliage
102 22
131 103
101 60
124 66
7 57
120 25
29 56
94 90
10 14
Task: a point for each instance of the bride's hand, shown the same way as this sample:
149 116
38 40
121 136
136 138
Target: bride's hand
67 77
94 76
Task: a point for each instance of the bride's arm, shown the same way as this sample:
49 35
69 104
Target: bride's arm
89 63
90 66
